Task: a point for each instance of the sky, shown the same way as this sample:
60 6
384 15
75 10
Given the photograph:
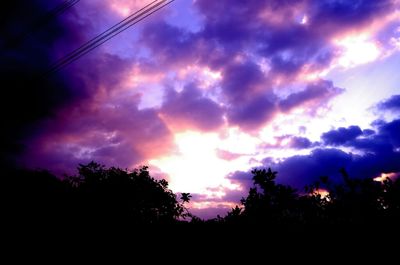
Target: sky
204 90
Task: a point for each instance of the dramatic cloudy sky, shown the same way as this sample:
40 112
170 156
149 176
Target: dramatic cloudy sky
205 90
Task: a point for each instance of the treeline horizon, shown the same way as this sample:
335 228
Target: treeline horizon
114 195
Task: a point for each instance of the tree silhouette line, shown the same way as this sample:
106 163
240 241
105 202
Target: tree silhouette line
352 202
113 195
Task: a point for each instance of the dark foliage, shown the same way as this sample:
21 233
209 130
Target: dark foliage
354 202
96 195
100 195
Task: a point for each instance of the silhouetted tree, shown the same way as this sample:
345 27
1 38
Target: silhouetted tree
267 201
100 195
96 194
354 201
134 196
185 197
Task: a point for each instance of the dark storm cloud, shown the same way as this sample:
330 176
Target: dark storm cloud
341 135
391 131
385 140
368 132
392 103
379 154
348 13
301 170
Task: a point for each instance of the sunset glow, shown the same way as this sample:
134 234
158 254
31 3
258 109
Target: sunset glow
357 50
385 176
204 91
184 168
125 8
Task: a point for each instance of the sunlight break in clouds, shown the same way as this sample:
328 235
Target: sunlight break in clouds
385 176
356 50
198 164
203 75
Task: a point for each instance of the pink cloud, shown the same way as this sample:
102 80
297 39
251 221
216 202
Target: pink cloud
226 155
114 133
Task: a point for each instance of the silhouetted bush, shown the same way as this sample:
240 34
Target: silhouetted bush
96 194
355 201
100 195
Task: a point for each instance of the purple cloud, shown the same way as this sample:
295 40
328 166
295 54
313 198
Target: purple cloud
347 13
391 131
218 45
226 155
300 142
385 140
170 44
190 109
115 135
380 155
392 103
252 114
319 91
242 81
302 170
290 141
230 43
341 135
368 132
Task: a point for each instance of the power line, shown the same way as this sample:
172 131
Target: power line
109 34
61 8
103 35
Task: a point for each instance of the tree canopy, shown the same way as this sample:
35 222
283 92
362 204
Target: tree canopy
96 193
108 195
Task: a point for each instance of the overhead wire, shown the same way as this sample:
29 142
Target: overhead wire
61 8
110 33
100 37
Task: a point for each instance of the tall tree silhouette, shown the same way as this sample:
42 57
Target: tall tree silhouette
267 201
